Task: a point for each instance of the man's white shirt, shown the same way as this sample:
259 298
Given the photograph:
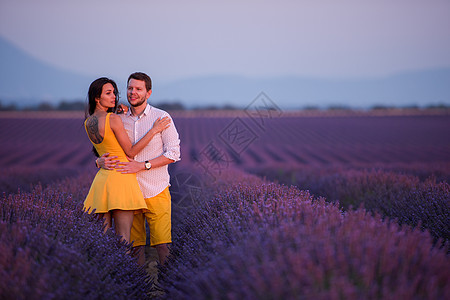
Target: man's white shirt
167 143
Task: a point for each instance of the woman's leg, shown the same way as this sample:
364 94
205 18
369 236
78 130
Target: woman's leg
123 219
106 219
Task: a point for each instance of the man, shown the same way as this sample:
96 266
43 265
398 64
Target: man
151 166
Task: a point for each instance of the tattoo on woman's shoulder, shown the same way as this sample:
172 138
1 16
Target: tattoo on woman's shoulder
93 131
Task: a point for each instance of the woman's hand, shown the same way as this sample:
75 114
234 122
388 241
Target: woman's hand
121 109
107 162
161 124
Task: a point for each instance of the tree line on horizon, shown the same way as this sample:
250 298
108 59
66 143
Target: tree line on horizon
178 106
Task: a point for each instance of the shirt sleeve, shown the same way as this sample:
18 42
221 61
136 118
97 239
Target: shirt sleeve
171 142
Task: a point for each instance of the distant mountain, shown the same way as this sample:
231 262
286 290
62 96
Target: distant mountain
26 80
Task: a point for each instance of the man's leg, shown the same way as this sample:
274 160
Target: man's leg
163 252
159 221
138 237
139 252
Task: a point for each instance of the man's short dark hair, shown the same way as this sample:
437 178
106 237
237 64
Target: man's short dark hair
141 76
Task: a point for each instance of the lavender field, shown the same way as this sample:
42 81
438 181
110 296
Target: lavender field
273 206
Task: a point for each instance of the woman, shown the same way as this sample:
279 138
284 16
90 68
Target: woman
113 195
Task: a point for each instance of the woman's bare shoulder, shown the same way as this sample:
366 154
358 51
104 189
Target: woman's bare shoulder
115 120
115 117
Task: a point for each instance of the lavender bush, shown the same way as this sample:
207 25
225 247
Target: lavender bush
258 240
403 197
51 249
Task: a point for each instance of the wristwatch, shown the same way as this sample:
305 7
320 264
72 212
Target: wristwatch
148 165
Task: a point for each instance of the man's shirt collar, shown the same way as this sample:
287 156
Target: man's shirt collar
147 111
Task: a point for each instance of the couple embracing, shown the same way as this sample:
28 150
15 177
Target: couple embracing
134 148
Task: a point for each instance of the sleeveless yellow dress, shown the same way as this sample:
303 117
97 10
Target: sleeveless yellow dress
110 188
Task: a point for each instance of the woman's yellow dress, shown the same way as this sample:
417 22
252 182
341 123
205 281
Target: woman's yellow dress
110 188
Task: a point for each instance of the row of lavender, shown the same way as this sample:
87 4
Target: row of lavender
245 141
398 195
42 150
39 149
51 249
318 141
251 239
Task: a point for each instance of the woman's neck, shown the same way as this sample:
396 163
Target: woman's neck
100 109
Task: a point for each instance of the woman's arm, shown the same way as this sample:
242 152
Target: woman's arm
123 139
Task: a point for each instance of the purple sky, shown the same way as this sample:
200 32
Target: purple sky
182 39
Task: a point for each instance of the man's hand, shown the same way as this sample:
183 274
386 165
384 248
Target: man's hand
130 167
107 162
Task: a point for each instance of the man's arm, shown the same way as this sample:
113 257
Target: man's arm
135 166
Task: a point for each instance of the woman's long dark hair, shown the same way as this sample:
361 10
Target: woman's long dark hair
94 92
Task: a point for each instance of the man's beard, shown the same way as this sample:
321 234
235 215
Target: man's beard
139 103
